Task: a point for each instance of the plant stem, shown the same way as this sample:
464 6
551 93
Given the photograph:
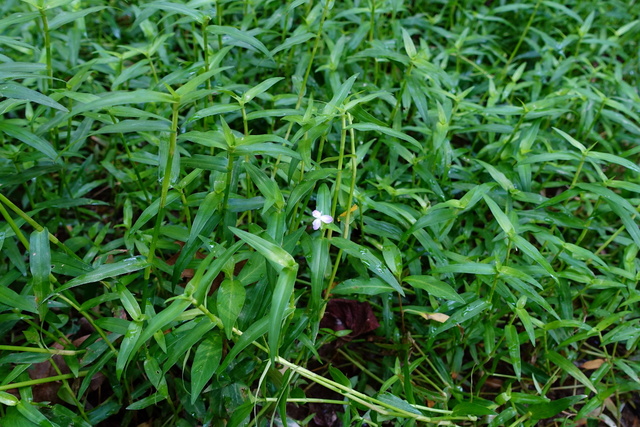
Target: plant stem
166 181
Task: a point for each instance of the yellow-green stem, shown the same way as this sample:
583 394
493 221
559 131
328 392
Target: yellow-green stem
166 181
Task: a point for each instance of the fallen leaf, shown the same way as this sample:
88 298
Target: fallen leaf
344 214
592 364
438 317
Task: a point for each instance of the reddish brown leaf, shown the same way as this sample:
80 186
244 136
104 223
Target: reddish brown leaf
342 314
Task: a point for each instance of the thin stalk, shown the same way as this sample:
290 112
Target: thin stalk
343 141
334 203
47 47
67 387
219 21
41 350
141 186
92 322
352 186
522 36
403 87
245 125
53 239
166 181
14 226
227 192
372 21
43 380
316 45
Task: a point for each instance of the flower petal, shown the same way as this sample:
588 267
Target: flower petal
327 219
316 223
316 214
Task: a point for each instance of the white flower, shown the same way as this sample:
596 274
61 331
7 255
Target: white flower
319 219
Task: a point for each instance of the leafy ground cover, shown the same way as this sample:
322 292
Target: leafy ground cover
331 213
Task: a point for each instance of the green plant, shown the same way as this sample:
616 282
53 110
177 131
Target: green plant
161 164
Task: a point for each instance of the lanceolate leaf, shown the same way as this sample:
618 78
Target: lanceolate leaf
241 36
205 362
279 301
373 263
105 271
40 264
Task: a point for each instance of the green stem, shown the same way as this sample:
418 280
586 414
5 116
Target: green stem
92 322
53 239
166 181
141 186
47 46
399 97
219 21
43 380
522 36
41 350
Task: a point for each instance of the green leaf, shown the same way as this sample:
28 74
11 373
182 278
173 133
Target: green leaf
362 286
128 346
157 323
106 271
278 257
267 149
365 127
463 314
241 36
205 363
15 300
612 158
498 177
259 89
294 40
572 140
205 221
111 99
215 110
133 126
251 334
129 302
62 18
501 217
31 413
409 47
267 187
231 295
192 84
467 268
279 301
371 261
570 369
526 247
185 338
154 399
155 375
152 210
471 408
396 402
40 265
392 256
182 9
17 91
8 399
543 411
435 287
29 138
513 344
339 95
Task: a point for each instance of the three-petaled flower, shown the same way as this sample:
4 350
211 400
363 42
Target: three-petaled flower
319 219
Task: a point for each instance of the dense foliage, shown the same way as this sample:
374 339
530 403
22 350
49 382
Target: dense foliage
161 162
